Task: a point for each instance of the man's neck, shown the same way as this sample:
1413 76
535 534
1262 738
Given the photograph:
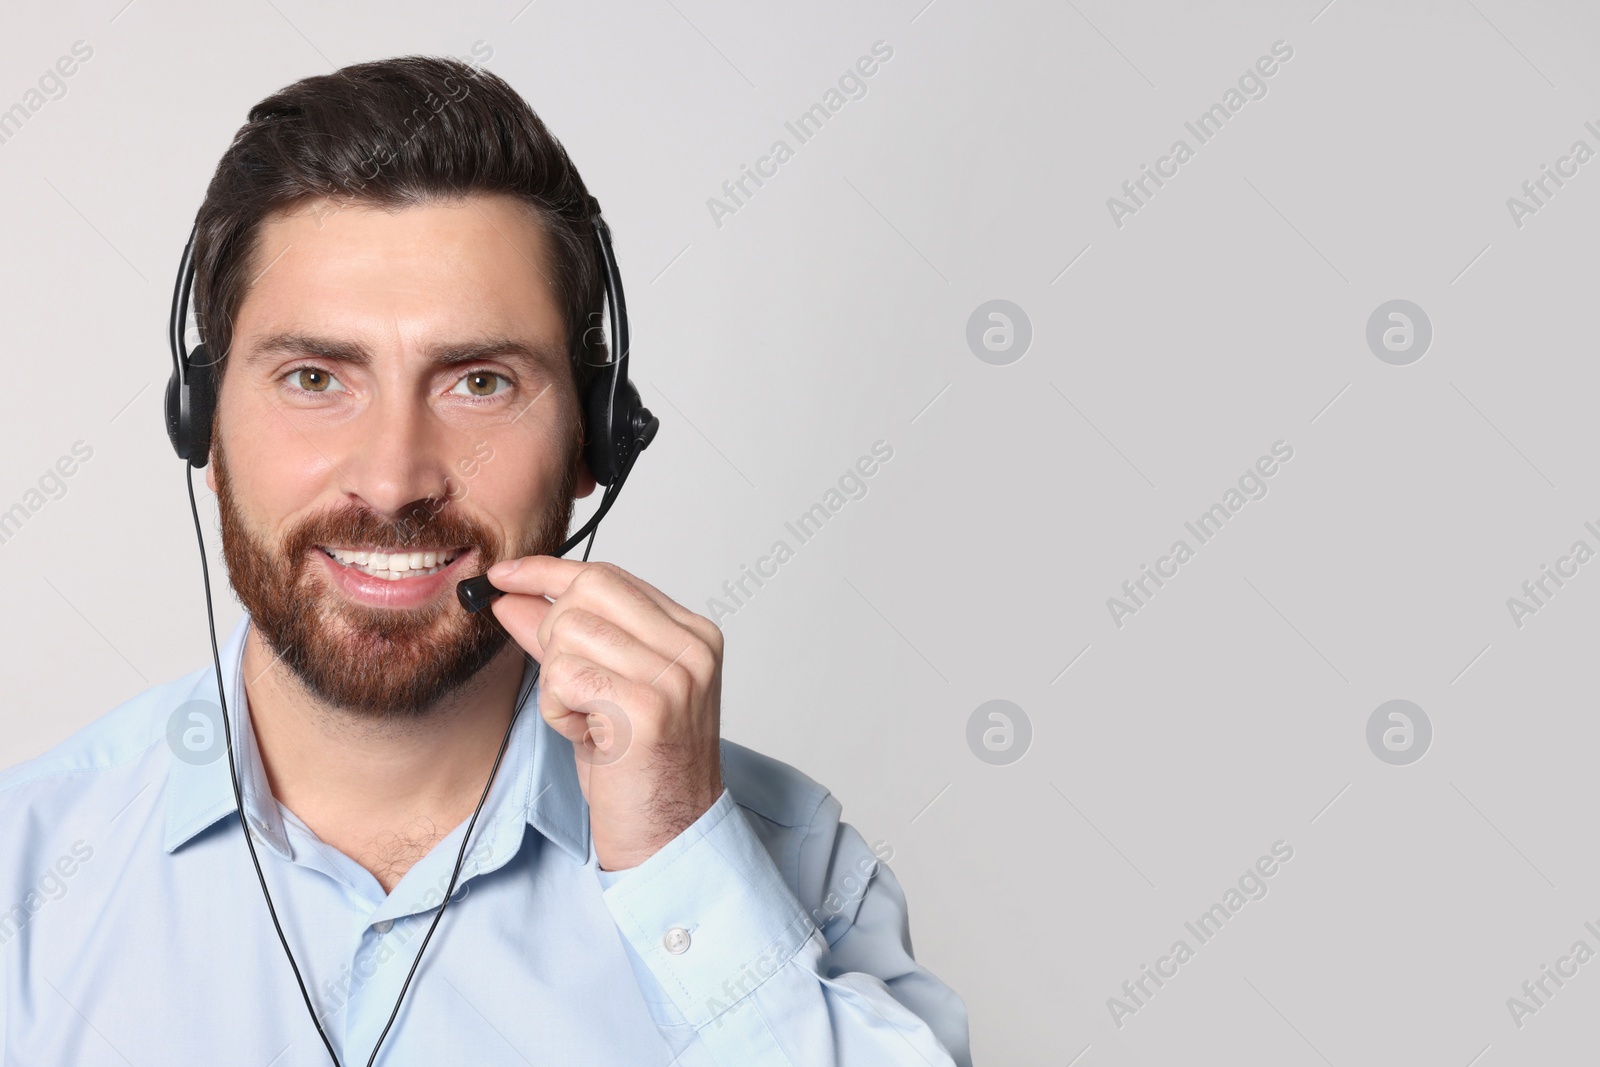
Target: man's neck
383 792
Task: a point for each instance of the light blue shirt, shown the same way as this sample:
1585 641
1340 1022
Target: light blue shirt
133 930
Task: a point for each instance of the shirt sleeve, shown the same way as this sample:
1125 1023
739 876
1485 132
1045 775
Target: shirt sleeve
721 943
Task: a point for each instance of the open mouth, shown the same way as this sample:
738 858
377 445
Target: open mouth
394 565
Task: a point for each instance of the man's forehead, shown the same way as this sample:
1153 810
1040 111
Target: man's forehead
457 280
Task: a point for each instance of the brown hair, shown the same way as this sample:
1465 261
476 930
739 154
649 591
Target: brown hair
394 133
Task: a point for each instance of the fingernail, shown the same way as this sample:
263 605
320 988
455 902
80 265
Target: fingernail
504 568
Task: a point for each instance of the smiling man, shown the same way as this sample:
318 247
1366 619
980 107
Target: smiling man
396 263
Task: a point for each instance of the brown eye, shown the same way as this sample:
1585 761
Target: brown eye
312 380
482 383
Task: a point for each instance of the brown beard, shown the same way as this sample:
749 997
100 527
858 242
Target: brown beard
380 662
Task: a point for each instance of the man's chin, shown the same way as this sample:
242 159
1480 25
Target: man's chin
383 662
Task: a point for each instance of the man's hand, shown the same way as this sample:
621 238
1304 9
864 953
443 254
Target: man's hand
634 681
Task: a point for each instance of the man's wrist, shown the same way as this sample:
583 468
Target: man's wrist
673 817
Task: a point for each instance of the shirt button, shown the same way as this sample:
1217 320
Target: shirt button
677 940
383 926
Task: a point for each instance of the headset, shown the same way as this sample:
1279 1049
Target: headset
618 426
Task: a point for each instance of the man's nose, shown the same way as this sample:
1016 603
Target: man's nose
397 455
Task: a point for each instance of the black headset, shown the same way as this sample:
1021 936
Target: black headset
619 427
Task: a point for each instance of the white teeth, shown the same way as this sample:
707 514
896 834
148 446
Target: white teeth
395 576
393 566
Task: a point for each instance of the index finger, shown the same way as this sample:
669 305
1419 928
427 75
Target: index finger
547 576
550 576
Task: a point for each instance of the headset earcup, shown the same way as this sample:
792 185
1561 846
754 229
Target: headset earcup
616 434
599 450
176 430
202 405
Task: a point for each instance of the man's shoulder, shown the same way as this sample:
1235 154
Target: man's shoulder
117 738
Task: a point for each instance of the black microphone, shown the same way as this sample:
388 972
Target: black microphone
477 593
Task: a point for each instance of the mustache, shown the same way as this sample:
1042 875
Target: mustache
417 525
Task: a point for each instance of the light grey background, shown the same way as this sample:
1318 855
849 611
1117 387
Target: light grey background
1168 354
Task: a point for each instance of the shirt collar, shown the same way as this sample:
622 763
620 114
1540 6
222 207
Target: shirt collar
542 783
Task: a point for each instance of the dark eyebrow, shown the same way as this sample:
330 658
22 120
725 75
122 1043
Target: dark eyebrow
449 355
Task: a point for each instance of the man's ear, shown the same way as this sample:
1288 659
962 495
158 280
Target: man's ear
211 467
585 483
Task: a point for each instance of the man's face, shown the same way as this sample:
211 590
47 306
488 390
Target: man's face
397 414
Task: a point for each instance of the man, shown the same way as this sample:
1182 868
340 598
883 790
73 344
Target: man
395 263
